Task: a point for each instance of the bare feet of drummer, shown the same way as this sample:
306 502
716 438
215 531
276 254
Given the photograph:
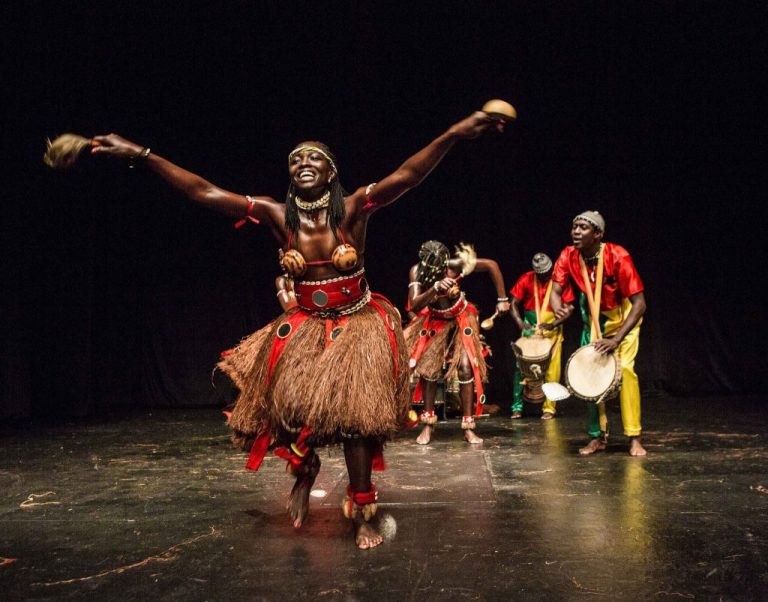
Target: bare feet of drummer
595 445
470 437
516 415
635 447
547 416
425 436
366 537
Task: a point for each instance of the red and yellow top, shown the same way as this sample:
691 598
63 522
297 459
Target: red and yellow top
523 291
620 277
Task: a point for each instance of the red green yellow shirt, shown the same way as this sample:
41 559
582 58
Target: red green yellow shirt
620 277
523 292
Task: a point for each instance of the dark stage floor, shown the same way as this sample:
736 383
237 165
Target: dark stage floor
159 506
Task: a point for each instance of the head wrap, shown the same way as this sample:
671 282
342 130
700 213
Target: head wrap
594 218
541 263
316 149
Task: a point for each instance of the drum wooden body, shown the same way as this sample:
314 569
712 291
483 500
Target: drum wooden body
593 376
533 355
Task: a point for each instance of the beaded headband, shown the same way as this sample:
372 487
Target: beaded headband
316 149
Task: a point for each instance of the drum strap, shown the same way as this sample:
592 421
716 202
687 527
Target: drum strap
593 298
541 309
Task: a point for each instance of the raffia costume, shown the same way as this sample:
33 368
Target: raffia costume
334 367
436 339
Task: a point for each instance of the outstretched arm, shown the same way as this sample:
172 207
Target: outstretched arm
490 266
417 167
192 186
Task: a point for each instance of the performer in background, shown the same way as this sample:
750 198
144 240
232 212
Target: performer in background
532 291
613 313
444 339
334 369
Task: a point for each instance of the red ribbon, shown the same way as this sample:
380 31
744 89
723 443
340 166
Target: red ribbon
258 450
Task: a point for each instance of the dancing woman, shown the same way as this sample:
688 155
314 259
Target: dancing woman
333 369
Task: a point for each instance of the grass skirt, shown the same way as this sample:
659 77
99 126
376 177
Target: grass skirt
349 386
442 356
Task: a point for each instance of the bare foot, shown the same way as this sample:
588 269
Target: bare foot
635 447
594 445
366 537
516 415
547 416
298 500
425 436
470 436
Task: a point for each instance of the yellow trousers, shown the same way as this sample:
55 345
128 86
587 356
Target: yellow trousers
629 398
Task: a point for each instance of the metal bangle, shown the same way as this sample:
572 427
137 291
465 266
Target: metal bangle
140 156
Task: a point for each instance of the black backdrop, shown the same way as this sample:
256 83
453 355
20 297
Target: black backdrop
116 292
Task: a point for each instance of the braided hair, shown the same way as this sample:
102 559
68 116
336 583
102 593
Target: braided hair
433 261
336 211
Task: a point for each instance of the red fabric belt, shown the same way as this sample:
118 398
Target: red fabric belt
318 297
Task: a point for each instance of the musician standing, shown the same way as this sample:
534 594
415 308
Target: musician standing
615 304
532 292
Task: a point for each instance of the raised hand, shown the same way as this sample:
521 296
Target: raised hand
113 145
477 124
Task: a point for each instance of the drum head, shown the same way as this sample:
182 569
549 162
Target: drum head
589 374
555 391
534 346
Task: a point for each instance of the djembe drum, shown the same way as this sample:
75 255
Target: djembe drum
593 376
533 355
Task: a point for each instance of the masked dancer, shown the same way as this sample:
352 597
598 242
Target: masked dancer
444 339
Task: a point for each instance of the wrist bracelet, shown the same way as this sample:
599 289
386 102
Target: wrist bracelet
502 300
140 156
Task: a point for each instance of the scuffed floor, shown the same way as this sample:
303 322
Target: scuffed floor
158 504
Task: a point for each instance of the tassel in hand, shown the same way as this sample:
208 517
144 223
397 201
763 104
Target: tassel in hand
63 152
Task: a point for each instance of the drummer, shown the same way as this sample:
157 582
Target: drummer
532 292
612 306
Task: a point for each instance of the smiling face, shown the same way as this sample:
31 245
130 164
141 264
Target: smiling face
310 169
585 236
